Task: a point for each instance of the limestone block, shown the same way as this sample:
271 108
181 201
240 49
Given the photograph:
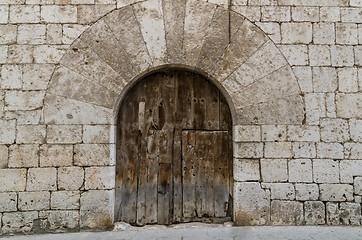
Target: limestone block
305 14
304 77
300 170
355 126
358 55
343 214
350 169
272 29
274 170
271 133
20 54
24 100
286 213
24 117
7 131
18 221
336 192
12 179
23 156
4 154
96 133
278 150
349 105
319 55
99 178
54 34
334 130
346 34
247 133
330 150
72 31
306 192
8 202
29 201
353 150
59 14
11 76
360 74
31 34
331 105
31 134
304 150
275 14
355 3
70 178
41 179
295 54
37 76
59 110
325 171
251 204
8 34
56 155
246 170
357 185
303 133
314 213
324 79
347 80
351 15
4 15
313 3
342 55
61 219
82 1
91 13
3 53
330 14
24 14
296 33
323 33
248 150
66 200
282 191
49 53
64 134
96 208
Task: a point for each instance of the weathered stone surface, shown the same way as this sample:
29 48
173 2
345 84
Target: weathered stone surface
64 134
8 202
12 180
18 221
248 150
56 155
31 134
330 150
349 105
315 108
90 13
278 14
99 178
92 154
296 33
305 14
4 154
325 171
70 178
274 170
247 133
7 132
4 15
271 133
251 204
314 213
59 110
319 55
353 150
8 34
295 54
22 156
304 150
357 185
330 14
96 208
324 79
342 55
24 100
300 170
350 169
31 34
346 34
286 213
29 201
334 130
65 200
336 192
352 15
96 134
323 33
282 191
59 14
11 76
48 53
37 76
343 214
20 54
305 192
252 13
71 32
347 80
246 170
24 14
303 133
54 34
60 219
331 105
41 179
278 150
313 3
25 117
272 29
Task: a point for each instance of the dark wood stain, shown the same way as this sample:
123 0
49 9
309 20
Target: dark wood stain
174 151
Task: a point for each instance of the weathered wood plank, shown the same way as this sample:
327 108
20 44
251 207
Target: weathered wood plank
164 180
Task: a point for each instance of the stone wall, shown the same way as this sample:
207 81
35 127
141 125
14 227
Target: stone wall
297 151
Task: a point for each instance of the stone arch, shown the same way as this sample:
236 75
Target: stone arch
120 48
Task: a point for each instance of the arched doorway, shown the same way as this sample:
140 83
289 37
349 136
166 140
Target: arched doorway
174 151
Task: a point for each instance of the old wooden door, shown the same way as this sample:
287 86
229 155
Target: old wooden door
174 151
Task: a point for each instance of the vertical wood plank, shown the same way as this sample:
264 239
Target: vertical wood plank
164 180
